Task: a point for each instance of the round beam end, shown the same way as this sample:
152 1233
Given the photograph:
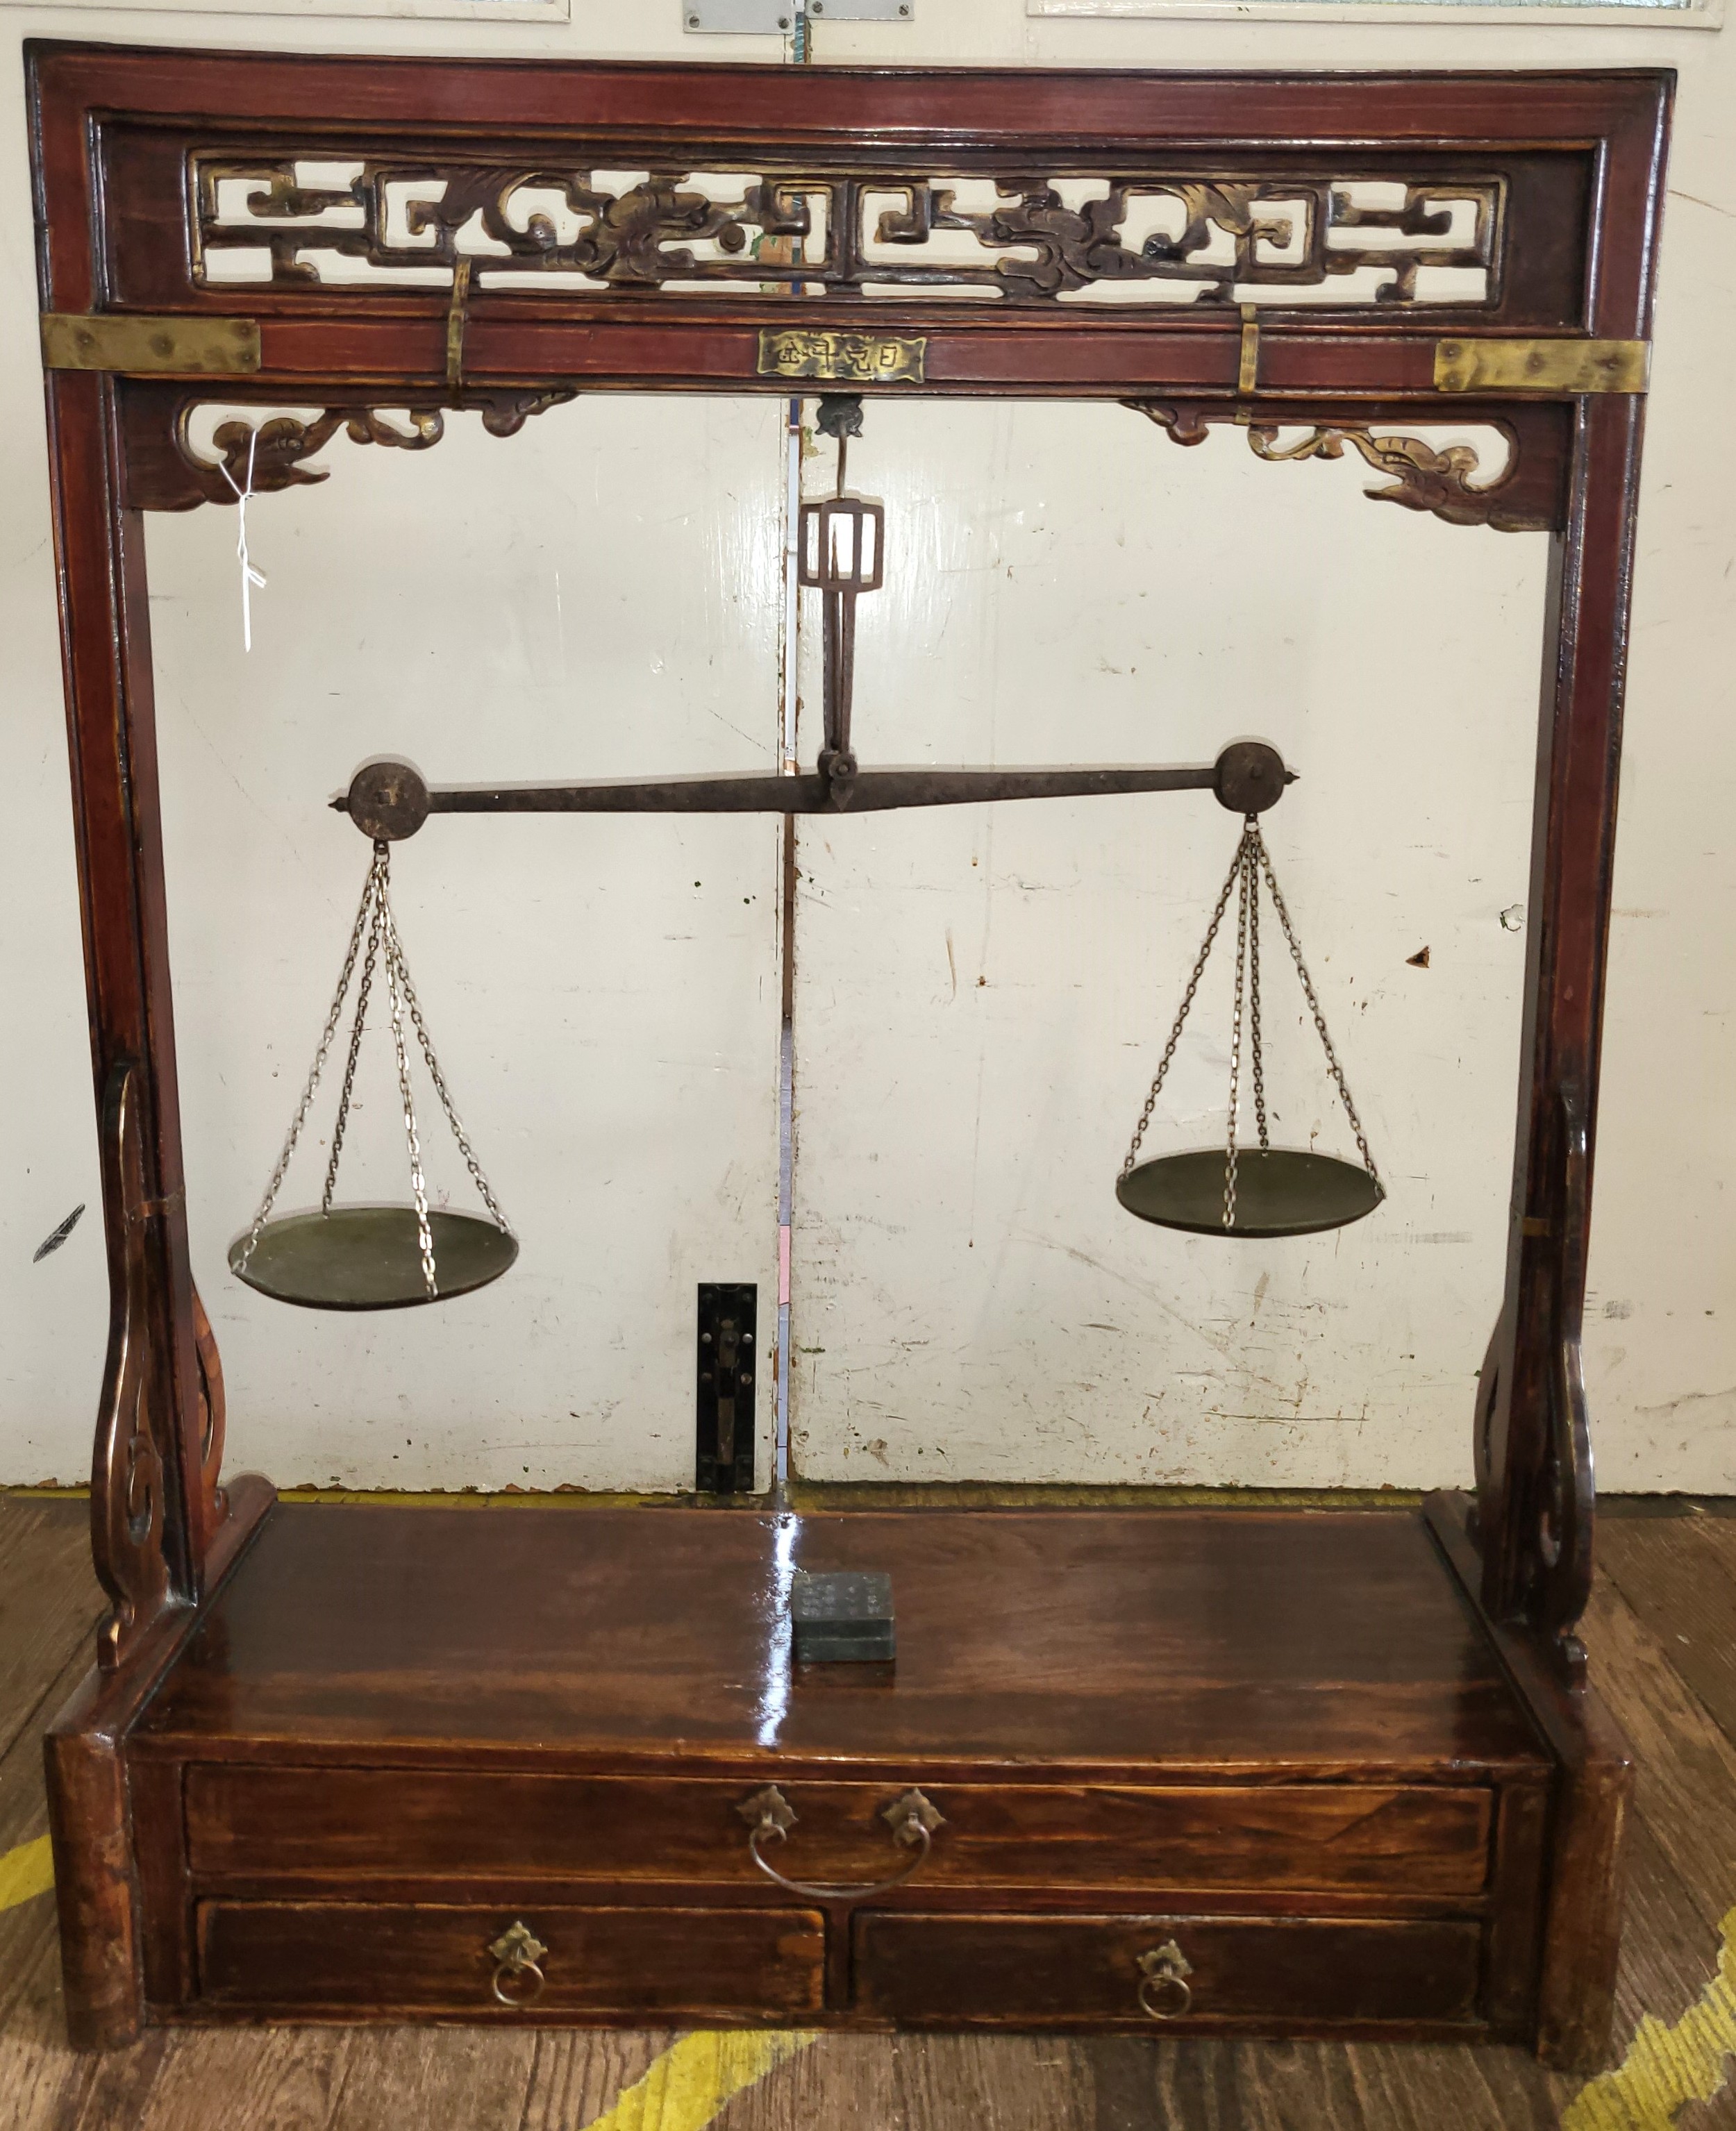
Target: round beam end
387 801
1249 777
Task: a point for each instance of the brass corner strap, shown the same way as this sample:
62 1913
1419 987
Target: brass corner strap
144 347
1559 365
1489 364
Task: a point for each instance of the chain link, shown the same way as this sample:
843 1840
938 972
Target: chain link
1320 1019
1175 1033
443 1091
363 991
1256 1054
375 919
1245 879
417 1184
370 888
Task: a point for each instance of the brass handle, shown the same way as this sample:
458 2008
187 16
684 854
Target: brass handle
518 1953
912 1818
1164 1973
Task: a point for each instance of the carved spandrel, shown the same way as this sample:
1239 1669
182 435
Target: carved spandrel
126 1481
1448 482
211 1417
168 469
1024 238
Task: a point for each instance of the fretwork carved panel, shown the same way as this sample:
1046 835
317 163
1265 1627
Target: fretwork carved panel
1020 238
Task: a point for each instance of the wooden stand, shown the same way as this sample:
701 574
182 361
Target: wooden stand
1217 1772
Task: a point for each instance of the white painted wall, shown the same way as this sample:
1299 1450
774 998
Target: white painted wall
603 993
983 996
358 583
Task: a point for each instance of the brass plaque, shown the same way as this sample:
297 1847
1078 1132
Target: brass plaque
843 358
1541 366
184 347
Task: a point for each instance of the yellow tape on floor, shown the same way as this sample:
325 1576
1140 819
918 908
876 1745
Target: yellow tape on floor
687 2085
1666 2068
26 1872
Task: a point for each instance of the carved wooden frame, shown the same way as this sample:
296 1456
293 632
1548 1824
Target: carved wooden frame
1577 160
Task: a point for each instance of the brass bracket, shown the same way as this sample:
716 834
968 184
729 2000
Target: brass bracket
843 358
1541 366
1247 368
455 317
141 346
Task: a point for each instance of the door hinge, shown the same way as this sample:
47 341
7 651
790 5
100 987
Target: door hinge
1501 365
138 347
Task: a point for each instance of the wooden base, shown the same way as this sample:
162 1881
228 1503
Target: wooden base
1202 1771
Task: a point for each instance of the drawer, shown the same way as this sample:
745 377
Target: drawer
351 1958
1048 1971
248 1821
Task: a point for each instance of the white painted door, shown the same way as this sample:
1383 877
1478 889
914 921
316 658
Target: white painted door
597 597
982 995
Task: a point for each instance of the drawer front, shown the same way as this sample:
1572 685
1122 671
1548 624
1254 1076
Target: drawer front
1047 1971
249 1821
349 1958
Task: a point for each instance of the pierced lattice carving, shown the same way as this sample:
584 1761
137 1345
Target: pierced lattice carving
1021 238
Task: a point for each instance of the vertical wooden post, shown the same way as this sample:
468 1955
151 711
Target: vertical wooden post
154 1504
1534 1466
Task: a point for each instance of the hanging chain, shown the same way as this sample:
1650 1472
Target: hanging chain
377 879
374 920
417 1184
1320 1019
1175 1033
370 890
1255 1053
1252 863
439 1079
1247 889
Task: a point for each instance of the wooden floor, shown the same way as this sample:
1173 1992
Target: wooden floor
1662 1636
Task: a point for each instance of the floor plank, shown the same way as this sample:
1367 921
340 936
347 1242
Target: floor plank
577 2073
272 2079
23 1807
1685 1773
50 1601
1678 1577
998 2082
473 2078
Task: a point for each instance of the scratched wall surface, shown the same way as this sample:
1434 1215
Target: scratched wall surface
982 996
1249 568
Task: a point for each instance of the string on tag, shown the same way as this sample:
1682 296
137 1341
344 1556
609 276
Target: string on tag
249 576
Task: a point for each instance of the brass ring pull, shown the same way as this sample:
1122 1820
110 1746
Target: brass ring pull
1163 1990
518 1976
911 1819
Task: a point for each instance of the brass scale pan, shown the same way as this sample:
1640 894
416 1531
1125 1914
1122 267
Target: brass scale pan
369 1258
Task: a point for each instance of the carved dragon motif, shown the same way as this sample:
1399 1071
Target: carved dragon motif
1441 481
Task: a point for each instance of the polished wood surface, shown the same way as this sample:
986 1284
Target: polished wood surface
407 1726
266 1823
1187 1641
1047 1971
333 1959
